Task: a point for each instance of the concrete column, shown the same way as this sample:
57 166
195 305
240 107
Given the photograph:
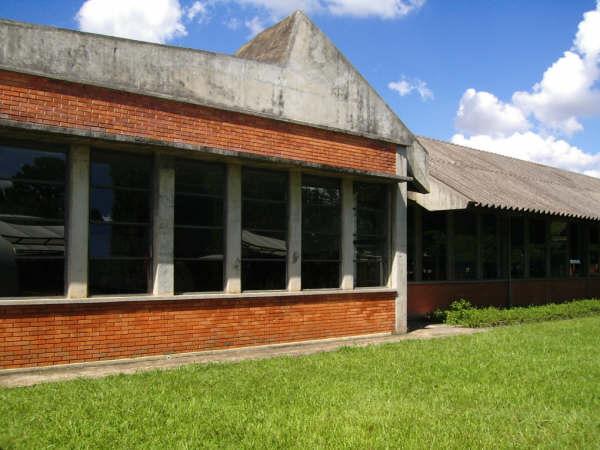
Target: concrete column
418 223
294 255
77 225
398 272
348 234
163 226
233 226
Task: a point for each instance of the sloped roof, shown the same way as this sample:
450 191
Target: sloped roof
290 72
491 180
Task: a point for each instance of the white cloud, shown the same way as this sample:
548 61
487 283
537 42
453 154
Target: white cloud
405 87
534 147
523 128
150 20
385 9
197 9
255 25
233 23
482 113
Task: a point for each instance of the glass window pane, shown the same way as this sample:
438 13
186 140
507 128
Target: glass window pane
199 243
198 276
197 177
371 240
489 246
31 222
19 163
465 246
107 241
200 211
410 236
113 276
537 248
264 275
320 246
558 248
517 254
116 205
575 250
320 275
271 245
120 169
264 185
264 229
434 245
594 250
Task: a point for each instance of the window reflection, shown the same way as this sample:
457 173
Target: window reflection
32 196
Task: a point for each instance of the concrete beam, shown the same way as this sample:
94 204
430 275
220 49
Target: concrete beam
441 197
163 226
233 227
398 272
348 268
294 255
77 224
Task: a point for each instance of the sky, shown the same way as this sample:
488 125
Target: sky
520 78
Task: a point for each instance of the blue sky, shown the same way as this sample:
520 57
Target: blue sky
462 70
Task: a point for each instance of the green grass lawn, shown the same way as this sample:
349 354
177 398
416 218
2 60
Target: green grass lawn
529 386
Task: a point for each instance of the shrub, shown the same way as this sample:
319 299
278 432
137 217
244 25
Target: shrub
462 313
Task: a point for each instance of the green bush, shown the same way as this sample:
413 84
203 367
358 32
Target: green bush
462 313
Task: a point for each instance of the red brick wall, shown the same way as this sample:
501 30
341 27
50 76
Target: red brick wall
426 297
57 334
33 99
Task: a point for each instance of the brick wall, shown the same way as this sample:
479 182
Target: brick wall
33 99
58 334
424 298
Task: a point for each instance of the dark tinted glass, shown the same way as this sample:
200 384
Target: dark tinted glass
121 169
198 243
321 232
576 268
199 211
198 276
120 218
410 236
434 245
489 246
558 248
264 275
537 248
113 276
371 241
32 196
196 177
320 275
19 163
517 253
107 241
594 249
264 229
119 205
465 246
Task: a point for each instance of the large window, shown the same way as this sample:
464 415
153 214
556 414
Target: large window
517 247
594 249
489 246
465 245
559 248
120 218
410 244
434 246
32 198
199 226
371 244
321 232
575 250
264 229
537 248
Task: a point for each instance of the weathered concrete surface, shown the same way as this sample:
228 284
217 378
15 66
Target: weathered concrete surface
29 377
163 237
441 197
285 73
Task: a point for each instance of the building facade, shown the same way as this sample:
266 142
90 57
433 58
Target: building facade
158 200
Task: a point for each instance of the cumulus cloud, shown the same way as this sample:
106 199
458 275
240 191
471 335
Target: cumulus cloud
405 87
483 113
150 20
386 9
198 9
534 147
255 25
524 127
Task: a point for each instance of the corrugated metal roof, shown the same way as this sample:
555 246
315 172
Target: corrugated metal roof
492 180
